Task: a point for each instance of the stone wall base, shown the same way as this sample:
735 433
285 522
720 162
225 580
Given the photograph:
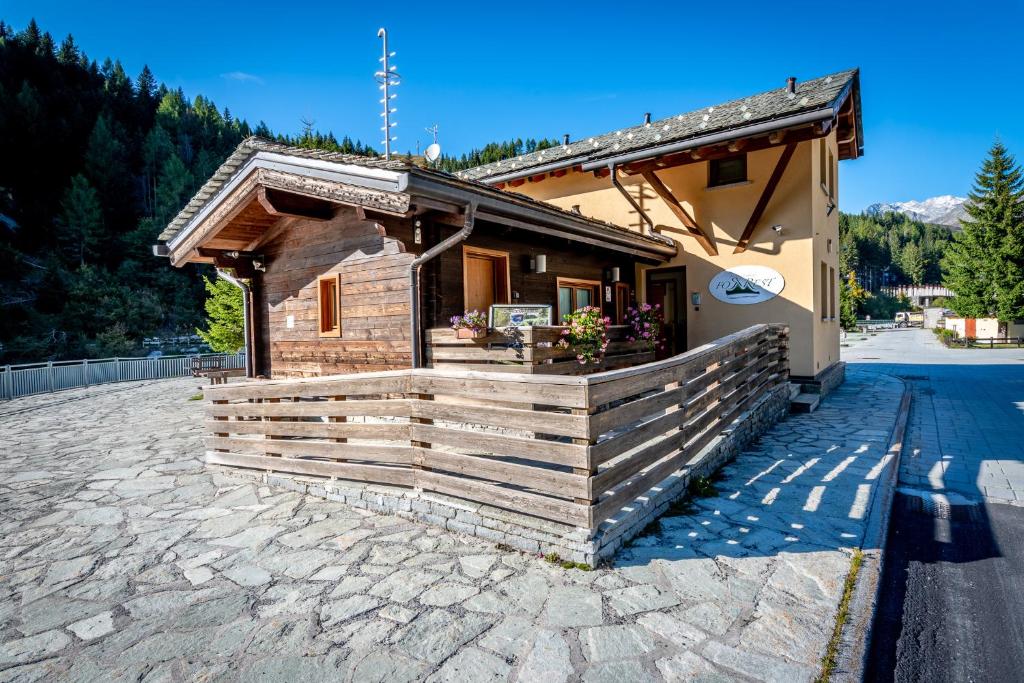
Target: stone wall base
531 534
825 382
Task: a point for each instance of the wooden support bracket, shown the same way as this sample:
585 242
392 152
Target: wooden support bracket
279 203
703 239
766 195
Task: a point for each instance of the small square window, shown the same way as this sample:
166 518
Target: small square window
329 305
727 171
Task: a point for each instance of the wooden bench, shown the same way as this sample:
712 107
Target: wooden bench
221 376
202 364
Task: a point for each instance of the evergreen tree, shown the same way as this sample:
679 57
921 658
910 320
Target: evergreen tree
172 188
985 265
912 263
224 316
81 219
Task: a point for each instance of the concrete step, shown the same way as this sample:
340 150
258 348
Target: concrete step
804 403
794 390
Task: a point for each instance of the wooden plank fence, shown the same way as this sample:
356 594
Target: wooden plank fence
528 349
572 449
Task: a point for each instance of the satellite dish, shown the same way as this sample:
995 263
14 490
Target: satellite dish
432 152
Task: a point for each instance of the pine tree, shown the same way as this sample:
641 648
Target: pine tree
145 85
985 264
912 263
224 316
81 219
172 188
69 52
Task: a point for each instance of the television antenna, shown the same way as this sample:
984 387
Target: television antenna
433 151
387 78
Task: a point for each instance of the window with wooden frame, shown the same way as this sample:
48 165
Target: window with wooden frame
832 293
328 301
824 291
727 171
831 176
575 294
485 278
823 164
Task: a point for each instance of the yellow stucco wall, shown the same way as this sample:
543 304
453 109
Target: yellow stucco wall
799 205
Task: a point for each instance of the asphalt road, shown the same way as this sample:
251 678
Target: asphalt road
952 591
952 603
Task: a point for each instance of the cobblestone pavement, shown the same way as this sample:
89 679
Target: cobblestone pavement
123 558
968 414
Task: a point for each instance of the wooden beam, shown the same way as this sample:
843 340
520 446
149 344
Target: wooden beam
703 239
766 195
278 203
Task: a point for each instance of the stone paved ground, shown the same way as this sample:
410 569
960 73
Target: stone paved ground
123 558
967 421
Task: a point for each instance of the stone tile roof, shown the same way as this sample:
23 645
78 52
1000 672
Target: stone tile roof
252 145
811 95
246 149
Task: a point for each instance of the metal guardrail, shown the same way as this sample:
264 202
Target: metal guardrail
41 378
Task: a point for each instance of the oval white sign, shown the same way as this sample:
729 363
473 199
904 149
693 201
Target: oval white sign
746 284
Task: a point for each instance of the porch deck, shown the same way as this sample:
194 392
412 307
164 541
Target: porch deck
569 449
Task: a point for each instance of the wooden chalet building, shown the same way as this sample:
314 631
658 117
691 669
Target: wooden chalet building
726 216
334 248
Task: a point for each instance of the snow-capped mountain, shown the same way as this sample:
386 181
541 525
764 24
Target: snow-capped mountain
944 210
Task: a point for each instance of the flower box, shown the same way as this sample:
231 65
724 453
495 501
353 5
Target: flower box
469 333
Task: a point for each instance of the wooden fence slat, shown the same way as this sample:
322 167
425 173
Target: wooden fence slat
521 441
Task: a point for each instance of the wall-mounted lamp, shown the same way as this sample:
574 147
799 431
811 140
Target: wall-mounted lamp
539 263
777 229
830 208
615 274
259 263
695 300
231 254
417 233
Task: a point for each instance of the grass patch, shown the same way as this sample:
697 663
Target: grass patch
703 487
828 662
555 558
196 397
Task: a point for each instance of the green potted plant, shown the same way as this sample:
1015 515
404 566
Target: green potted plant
587 333
470 325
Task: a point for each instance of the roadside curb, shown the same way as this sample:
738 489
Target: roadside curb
855 642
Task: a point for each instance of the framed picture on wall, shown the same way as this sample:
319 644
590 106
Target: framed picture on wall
519 315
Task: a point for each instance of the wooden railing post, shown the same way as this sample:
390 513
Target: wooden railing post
220 419
419 461
271 418
590 471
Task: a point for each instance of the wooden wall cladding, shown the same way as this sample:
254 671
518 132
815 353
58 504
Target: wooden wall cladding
374 270
373 261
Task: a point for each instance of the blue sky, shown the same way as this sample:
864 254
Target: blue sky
940 80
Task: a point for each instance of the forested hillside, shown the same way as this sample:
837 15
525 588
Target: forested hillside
891 249
94 164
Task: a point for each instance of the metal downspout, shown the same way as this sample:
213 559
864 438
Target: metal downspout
652 232
414 279
246 323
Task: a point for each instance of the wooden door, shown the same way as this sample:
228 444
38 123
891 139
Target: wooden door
667 287
970 328
485 278
621 302
479 283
